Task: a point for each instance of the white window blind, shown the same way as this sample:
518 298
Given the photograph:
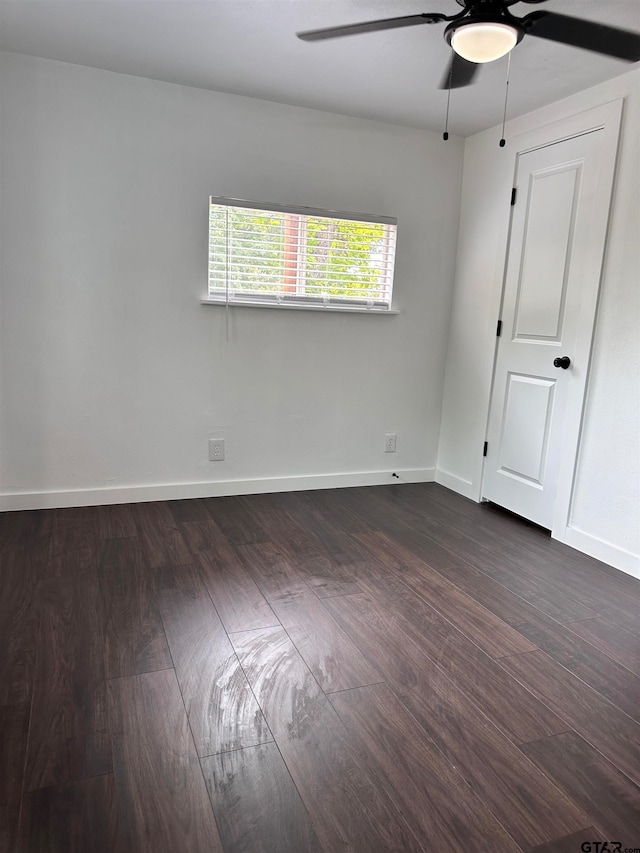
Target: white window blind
266 254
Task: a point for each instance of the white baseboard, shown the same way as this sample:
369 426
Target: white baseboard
613 555
456 484
175 491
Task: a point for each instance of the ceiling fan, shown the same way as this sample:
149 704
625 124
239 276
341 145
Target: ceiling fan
485 30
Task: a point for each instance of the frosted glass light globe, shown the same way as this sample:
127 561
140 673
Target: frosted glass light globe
484 42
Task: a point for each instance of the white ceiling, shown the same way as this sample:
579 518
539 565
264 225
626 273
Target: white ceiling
249 47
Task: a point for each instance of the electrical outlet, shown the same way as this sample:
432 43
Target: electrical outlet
216 449
390 442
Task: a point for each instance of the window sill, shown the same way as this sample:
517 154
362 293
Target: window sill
326 308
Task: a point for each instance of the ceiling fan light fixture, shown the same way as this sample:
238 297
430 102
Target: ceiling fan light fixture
484 41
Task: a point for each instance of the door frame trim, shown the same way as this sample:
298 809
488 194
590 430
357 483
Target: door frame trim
607 120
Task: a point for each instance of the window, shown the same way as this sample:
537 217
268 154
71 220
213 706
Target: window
299 257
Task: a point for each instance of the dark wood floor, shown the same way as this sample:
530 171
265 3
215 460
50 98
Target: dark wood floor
378 669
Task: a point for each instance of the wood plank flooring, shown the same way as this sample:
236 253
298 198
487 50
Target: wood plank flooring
350 671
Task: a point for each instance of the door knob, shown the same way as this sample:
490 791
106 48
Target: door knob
564 361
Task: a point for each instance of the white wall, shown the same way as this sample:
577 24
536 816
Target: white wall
605 514
112 373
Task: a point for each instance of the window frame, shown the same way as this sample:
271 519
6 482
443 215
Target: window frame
302 301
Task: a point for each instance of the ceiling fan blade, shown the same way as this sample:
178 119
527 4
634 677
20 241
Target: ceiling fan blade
371 26
459 73
589 35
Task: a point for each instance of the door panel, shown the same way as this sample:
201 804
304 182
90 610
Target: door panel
525 429
548 274
546 252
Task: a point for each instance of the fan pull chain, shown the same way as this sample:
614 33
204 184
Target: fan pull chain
445 135
503 141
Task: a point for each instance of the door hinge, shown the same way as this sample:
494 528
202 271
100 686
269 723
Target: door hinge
514 192
486 447
499 329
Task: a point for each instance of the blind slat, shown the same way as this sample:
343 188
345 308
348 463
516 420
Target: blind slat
266 253
289 300
366 247
314 277
309 212
357 294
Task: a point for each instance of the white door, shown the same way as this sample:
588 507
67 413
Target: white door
549 301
